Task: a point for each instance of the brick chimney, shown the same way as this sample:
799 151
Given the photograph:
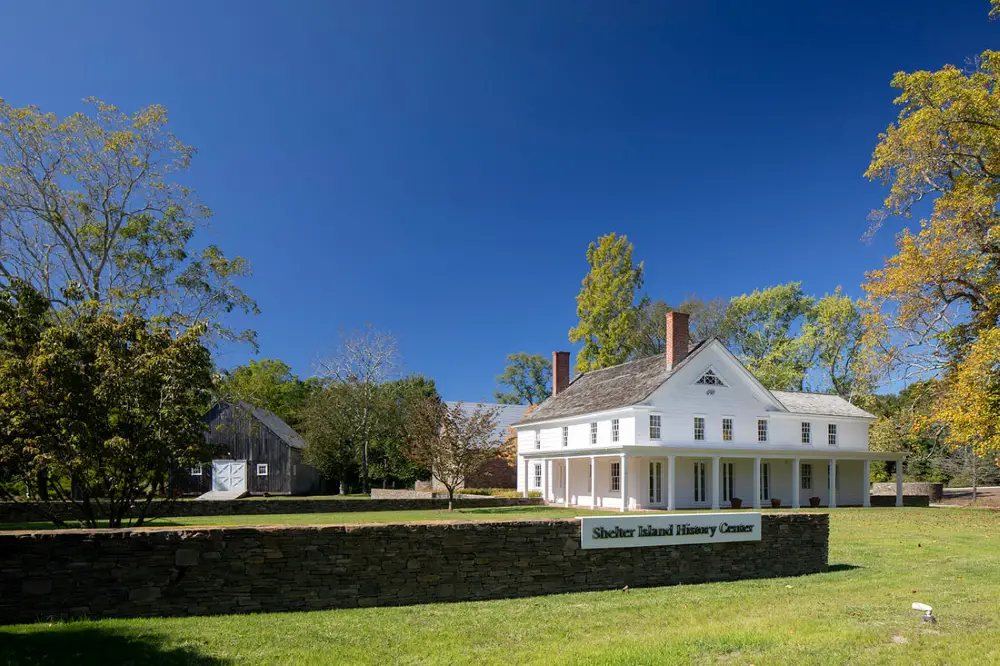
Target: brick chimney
560 372
678 338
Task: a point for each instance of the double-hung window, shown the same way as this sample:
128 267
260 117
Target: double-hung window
761 430
538 439
727 429
616 477
699 428
593 433
806 432
831 434
655 422
537 476
614 430
565 436
806 472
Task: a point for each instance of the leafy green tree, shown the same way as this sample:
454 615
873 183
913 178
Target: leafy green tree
606 306
365 360
934 307
527 380
390 461
324 423
101 410
451 441
762 329
650 335
834 328
91 212
268 383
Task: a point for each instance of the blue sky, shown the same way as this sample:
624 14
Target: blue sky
437 169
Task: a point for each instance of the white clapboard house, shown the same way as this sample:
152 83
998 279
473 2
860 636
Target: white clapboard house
689 429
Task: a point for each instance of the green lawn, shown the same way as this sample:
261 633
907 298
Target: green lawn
353 517
883 560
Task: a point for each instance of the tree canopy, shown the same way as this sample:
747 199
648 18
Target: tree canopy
91 211
527 380
706 318
607 305
451 440
268 383
97 412
933 308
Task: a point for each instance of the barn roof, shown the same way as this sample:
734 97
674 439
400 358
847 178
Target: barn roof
276 424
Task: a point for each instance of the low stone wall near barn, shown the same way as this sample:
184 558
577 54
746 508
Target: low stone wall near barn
17 512
124 573
393 493
908 500
933 490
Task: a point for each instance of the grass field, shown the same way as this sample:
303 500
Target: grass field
354 517
859 613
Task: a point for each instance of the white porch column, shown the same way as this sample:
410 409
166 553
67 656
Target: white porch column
624 482
833 483
593 482
795 484
545 480
566 496
671 483
716 486
866 497
756 483
899 482
527 475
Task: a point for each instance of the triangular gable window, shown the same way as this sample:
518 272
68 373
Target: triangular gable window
710 379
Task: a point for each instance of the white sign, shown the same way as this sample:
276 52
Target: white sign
668 529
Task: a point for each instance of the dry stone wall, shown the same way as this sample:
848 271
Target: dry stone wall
105 573
933 490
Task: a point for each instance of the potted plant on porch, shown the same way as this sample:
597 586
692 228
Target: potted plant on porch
775 502
736 502
814 502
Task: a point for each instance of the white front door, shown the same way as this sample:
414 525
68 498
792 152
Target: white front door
229 475
655 481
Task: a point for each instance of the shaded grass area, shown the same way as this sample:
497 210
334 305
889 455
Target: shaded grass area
353 517
859 613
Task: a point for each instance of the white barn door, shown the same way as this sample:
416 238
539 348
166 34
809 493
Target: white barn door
229 475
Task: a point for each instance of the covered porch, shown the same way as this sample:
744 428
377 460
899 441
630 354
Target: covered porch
674 478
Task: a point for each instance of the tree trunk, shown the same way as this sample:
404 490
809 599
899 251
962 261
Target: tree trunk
343 486
365 488
975 483
451 498
43 485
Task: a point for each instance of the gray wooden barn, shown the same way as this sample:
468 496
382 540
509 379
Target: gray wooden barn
258 454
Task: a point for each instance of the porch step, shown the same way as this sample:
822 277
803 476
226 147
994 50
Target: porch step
220 495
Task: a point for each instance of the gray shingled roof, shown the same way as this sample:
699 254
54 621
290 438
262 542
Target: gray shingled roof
631 383
276 424
826 404
610 388
507 415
